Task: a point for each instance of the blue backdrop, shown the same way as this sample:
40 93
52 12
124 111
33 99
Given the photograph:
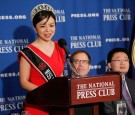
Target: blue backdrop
96 26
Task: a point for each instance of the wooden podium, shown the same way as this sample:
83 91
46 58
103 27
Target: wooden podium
62 94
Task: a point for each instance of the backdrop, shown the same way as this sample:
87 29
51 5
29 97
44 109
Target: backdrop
96 26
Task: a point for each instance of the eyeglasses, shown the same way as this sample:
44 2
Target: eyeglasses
85 62
120 60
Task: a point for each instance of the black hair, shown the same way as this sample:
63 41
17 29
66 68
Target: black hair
81 51
42 15
116 50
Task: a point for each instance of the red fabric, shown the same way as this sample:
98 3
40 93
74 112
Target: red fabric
56 62
34 111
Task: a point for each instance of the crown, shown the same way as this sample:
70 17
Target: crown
39 8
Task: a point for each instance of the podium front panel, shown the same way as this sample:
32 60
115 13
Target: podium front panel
67 92
95 89
55 93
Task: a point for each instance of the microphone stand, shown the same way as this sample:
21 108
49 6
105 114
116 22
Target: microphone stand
76 74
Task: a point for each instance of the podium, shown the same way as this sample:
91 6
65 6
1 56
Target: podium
61 94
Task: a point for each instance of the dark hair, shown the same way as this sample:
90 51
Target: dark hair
116 50
42 15
81 51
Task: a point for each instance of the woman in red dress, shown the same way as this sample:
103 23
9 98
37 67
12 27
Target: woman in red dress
41 55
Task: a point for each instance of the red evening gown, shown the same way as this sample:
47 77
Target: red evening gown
56 62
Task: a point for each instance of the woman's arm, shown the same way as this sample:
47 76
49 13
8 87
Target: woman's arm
25 74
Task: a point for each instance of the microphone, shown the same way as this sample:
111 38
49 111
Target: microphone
63 44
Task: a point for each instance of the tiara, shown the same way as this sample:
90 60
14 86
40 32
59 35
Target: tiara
41 7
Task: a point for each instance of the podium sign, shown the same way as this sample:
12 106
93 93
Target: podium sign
65 92
95 89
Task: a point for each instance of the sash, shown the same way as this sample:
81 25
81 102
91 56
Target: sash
38 63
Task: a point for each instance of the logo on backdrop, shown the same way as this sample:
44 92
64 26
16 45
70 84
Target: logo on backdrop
12 45
12 17
60 16
85 41
12 103
133 53
85 15
118 39
114 14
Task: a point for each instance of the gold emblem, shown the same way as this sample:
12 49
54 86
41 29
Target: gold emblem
133 52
